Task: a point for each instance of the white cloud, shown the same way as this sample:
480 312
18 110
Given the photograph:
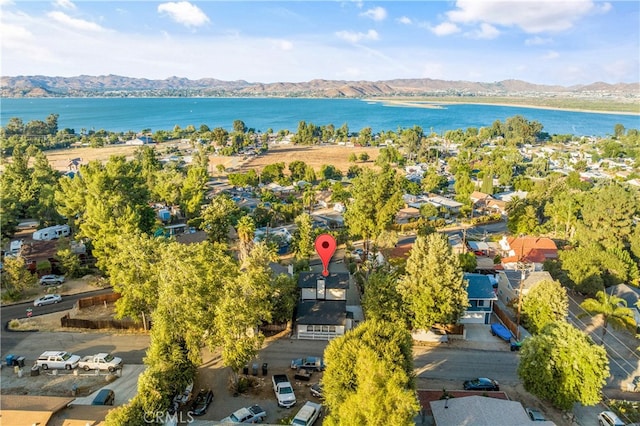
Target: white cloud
605 7
446 28
552 54
354 37
74 23
284 45
537 41
487 31
377 14
64 4
530 16
404 20
184 13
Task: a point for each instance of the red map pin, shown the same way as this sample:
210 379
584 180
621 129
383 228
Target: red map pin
325 247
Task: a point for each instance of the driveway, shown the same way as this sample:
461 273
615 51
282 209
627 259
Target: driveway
124 387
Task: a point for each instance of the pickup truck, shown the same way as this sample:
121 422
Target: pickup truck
284 391
101 361
307 415
311 363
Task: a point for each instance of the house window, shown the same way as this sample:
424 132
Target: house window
332 329
325 328
481 303
309 328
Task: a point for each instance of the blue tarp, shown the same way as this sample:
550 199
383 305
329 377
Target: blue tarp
501 331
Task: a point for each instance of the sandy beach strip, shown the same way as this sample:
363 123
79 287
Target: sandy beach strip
430 104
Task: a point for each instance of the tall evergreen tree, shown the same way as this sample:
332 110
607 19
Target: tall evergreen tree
433 288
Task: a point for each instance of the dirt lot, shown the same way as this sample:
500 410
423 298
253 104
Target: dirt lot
315 156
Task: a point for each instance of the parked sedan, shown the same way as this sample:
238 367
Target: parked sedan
316 390
49 299
201 402
481 384
252 414
51 279
535 415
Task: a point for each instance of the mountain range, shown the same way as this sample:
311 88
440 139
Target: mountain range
119 86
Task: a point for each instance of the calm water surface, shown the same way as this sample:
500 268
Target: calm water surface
135 114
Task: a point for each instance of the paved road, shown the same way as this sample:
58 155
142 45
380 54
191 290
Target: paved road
19 310
130 347
443 363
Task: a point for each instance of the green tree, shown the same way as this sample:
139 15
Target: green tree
218 216
376 200
298 170
132 268
237 318
545 303
369 376
16 278
239 126
303 238
112 199
69 260
364 157
612 309
607 216
381 299
562 365
468 262
433 288
193 191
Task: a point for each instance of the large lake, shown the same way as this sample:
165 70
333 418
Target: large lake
136 114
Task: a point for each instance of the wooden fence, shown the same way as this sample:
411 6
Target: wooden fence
97 300
505 319
67 321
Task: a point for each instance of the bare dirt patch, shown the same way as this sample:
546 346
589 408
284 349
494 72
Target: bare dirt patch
48 383
314 156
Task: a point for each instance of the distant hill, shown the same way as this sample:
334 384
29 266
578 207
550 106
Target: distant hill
118 86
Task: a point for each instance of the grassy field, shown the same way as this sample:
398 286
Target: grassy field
314 156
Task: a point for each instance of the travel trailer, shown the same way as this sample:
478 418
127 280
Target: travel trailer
52 232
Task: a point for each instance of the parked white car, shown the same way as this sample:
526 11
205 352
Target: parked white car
51 279
307 415
252 414
49 299
57 359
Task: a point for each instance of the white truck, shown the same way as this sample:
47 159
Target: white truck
101 361
284 391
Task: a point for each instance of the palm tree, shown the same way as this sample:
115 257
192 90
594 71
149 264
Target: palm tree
613 309
246 229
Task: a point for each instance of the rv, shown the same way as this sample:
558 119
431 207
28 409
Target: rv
52 232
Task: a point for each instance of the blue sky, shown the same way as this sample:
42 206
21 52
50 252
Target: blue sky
546 42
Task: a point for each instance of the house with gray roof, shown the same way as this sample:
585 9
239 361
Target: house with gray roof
480 411
481 296
511 283
322 310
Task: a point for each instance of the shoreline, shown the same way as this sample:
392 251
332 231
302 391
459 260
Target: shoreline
429 104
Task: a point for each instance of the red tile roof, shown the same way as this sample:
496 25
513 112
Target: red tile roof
531 249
